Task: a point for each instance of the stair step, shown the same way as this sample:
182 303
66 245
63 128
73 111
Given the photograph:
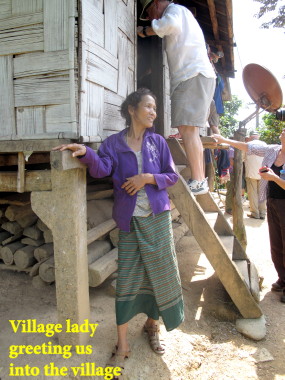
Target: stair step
216 239
228 242
179 168
211 218
242 266
254 282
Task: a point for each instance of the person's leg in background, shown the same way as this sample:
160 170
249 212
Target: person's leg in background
276 227
229 196
252 193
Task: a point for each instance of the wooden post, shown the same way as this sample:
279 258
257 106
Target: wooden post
238 224
63 210
21 173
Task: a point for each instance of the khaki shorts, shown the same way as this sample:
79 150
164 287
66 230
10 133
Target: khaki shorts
190 101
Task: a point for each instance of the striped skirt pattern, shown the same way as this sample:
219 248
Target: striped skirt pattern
148 277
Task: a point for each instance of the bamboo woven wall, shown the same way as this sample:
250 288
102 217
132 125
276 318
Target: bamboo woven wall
37 65
108 46
57 80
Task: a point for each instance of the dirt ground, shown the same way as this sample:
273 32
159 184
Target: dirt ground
206 346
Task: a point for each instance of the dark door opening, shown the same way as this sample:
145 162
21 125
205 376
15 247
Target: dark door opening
150 73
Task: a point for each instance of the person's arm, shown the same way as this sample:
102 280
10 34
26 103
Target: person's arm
77 149
99 165
271 176
234 143
145 31
170 23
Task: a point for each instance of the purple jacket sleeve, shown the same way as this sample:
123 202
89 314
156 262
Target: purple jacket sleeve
168 176
99 165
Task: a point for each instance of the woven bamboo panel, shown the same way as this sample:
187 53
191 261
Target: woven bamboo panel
108 47
38 69
41 51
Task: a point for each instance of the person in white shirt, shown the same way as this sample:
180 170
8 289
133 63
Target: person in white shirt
252 165
192 77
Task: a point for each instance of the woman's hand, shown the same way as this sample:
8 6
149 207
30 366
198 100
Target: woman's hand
269 175
137 182
220 139
77 149
134 184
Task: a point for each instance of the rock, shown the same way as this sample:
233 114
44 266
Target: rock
263 355
252 328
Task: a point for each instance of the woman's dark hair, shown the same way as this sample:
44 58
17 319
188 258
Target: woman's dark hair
133 100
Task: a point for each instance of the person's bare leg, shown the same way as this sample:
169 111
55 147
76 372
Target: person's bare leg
122 331
151 322
194 150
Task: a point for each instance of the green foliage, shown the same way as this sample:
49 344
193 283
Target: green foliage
272 6
228 122
271 130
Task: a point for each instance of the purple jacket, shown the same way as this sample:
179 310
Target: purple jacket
115 158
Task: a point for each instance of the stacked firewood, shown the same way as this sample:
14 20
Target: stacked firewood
26 243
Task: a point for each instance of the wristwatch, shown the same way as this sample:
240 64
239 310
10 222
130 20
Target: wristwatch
144 31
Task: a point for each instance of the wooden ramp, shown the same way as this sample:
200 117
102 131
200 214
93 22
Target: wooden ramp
210 229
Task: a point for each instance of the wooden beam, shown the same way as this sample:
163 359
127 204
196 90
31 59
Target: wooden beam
100 194
65 161
69 230
35 180
213 16
102 229
14 268
221 42
35 158
9 146
229 11
21 173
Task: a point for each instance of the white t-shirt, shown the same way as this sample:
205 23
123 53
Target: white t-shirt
252 162
184 44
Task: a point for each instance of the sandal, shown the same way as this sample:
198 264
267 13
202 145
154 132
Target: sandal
153 337
117 359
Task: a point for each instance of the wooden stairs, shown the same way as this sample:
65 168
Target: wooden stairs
217 240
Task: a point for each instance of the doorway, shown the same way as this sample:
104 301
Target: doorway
150 70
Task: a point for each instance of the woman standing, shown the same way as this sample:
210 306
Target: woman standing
142 168
272 188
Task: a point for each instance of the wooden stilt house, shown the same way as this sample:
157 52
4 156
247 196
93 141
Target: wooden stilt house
65 68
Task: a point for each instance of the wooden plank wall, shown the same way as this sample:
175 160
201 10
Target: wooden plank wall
108 45
37 69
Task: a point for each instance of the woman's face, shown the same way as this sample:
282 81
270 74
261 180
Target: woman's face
145 112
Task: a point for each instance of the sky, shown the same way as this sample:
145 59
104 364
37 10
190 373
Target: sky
255 45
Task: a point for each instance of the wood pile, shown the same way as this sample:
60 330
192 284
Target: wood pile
26 243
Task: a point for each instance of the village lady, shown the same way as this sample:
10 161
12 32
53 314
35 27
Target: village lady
272 188
142 168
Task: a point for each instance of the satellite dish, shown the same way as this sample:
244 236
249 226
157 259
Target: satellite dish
262 87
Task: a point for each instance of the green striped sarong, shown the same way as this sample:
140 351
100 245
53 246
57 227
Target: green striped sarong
148 277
